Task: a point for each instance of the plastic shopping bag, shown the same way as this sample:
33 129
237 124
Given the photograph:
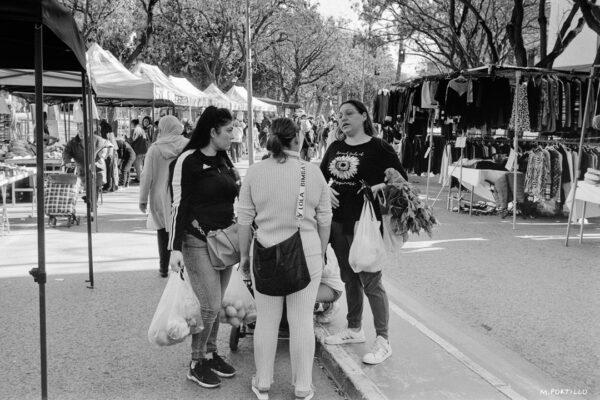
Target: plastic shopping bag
178 312
238 304
368 249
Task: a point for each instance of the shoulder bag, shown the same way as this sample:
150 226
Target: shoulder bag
281 270
223 244
223 247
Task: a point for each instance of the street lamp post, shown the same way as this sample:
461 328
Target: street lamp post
249 128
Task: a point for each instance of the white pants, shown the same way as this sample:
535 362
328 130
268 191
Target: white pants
300 307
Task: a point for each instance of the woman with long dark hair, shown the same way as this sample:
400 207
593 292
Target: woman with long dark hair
358 157
205 185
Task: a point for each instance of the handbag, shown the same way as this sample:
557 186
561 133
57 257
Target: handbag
281 269
223 247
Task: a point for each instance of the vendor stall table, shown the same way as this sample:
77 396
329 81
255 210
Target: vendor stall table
11 180
586 193
480 181
51 165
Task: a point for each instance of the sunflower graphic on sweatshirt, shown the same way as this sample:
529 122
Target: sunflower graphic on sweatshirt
344 167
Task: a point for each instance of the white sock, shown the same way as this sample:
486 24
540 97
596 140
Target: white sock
193 365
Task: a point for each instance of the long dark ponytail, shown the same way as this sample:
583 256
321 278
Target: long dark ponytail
283 131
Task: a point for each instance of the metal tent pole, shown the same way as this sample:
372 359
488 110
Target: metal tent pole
579 154
88 183
431 115
39 273
516 146
90 99
68 122
63 106
249 128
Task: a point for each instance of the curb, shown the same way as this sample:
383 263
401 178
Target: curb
346 373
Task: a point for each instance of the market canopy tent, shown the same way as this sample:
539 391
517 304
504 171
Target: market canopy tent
40 35
282 104
239 94
213 90
163 87
200 99
114 84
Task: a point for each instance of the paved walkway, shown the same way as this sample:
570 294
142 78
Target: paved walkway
98 348
97 339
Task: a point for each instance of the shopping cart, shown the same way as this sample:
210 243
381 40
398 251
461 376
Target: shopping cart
60 198
247 329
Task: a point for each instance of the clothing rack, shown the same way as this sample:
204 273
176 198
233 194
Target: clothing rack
593 73
507 71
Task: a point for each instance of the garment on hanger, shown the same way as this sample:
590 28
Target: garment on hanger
520 107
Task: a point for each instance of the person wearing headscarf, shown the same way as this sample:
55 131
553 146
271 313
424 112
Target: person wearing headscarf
155 197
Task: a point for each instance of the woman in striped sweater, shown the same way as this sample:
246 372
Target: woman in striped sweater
205 185
269 197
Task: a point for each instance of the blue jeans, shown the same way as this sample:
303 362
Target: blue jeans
209 286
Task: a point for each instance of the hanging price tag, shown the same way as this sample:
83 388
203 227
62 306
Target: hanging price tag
461 142
512 160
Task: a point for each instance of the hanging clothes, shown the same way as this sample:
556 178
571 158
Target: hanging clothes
520 107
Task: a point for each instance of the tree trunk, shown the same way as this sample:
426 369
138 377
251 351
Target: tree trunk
543 22
515 34
319 104
149 8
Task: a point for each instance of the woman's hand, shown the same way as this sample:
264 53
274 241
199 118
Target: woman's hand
245 265
176 260
333 195
144 208
377 188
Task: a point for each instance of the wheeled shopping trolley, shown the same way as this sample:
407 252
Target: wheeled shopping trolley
60 198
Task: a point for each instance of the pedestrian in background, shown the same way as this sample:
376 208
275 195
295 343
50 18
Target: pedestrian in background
155 197
356 157
112 170
148 127
139 143
236 142
205 185
269 197
126 159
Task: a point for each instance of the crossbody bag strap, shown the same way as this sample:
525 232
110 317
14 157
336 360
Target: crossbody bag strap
301 204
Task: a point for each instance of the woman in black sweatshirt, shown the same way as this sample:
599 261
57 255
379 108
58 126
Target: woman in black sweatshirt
205 185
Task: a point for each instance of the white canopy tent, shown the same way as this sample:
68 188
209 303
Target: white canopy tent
203 99
213 90
113 82
163 87
239 94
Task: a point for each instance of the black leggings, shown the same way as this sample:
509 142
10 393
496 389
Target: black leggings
163 251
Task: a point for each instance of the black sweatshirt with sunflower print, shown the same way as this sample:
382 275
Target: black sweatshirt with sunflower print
344 166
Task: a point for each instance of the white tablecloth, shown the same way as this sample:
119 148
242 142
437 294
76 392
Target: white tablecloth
585 192
477 178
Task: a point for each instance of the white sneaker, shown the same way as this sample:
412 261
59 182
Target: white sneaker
326 316
379 353
346 335
261 394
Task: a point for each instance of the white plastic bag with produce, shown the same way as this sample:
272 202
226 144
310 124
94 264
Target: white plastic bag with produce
178 312
238 304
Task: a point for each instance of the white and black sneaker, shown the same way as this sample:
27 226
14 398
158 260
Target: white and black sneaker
219 366
203 375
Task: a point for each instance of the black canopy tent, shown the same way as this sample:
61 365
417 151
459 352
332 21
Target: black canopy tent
38 36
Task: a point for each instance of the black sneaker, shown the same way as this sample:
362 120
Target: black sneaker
203 375
220 366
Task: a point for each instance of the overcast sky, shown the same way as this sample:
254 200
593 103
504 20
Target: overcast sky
338 8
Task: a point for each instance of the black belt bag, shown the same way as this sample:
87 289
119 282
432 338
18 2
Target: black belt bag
281 269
